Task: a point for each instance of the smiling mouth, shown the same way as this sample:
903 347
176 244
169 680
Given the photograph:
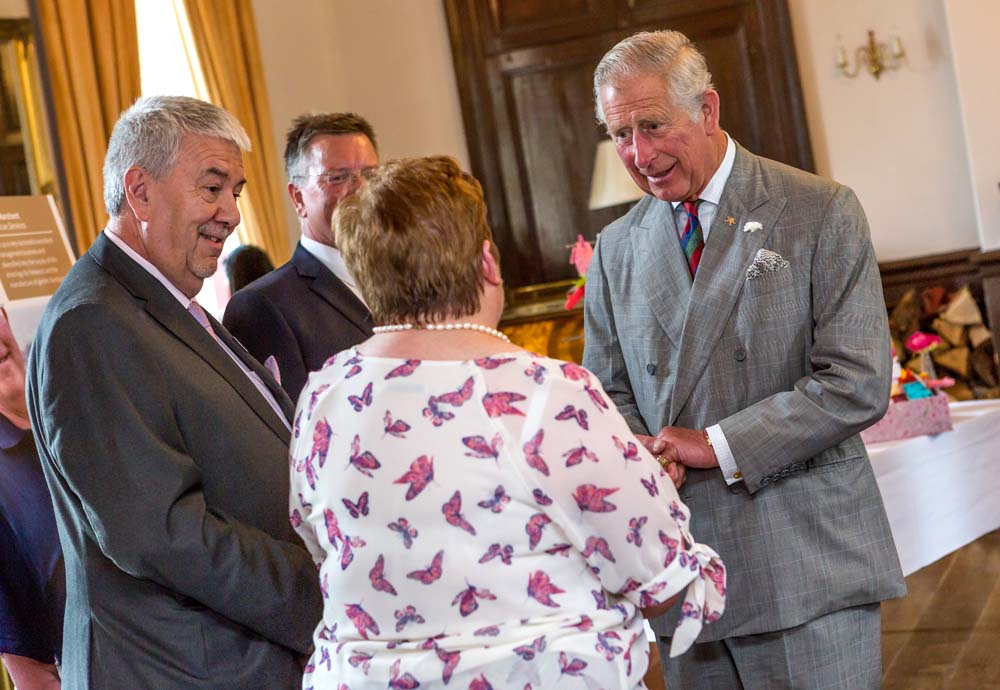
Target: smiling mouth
212 239
661 175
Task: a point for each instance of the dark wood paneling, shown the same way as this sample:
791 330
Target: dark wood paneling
525 71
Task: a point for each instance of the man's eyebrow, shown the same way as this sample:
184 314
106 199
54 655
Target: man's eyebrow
219 172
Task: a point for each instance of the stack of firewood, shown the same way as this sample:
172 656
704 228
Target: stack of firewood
966 352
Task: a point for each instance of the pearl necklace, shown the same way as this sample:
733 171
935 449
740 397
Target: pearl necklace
391 328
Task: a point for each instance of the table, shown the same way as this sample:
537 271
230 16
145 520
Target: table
942 492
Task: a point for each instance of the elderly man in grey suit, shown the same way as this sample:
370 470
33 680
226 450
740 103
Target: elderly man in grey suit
164 443
735 315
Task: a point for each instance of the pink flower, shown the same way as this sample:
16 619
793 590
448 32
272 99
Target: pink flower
920 341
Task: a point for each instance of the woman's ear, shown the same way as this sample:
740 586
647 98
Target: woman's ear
491 268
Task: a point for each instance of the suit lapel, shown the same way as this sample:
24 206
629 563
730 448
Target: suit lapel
332 289
661 267
165 308
721 275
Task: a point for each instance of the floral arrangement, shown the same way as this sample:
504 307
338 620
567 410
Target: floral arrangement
579 256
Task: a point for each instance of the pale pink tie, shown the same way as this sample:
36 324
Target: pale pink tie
201 317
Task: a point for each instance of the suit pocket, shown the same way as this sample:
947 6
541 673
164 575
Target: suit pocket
768 283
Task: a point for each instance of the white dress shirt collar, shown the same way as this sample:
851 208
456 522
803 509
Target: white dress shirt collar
333 260
150 268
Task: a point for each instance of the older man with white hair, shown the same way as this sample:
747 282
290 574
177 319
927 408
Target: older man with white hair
735 316
163 441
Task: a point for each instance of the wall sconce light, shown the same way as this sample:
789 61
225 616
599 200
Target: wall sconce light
875 57
610 184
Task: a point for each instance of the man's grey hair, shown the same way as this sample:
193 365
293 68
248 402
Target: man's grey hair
149 135
669 54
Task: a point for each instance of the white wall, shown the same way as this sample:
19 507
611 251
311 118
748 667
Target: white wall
973 26
11 9
898 141
387 60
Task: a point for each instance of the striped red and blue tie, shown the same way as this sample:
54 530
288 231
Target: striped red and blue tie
692 240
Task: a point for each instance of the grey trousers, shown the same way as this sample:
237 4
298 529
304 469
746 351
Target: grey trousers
839 651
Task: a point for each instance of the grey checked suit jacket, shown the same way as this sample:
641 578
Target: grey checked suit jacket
792 364
169 477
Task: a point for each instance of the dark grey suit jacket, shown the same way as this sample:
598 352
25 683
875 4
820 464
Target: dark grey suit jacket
169 477
302 314
791 362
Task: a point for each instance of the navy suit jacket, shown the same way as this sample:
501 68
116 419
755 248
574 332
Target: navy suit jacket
302 314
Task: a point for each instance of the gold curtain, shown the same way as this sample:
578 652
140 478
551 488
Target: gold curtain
225 37
93 63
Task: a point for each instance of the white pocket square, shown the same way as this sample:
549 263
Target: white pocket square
766 262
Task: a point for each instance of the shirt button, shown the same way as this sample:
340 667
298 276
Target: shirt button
740 354
737 475
650 369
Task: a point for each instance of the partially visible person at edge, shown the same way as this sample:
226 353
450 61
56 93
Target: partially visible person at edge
32 579
482 516
246 264
311 307
736 315
163 442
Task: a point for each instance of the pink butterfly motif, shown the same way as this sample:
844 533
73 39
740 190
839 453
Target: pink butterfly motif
570 668
528 651
492 362
431 642
711 616
717 574
314 398
324 657
574 456
537 372
453 513
436 414
688 611
353 361
671 545
362 401
458 397
363 622
496 503
570 412
635 526
481 449
362 661
540 497
533 453
652 488
297 427
450 661
431 573
498 404
495 551
354 371
420 473
401 682
630 586
559 550
359 508
467 599
647 597
585 623
574 372
629 451
347 556
598 545
605 645
363 462
595 397
536 523
480 683
404 369
676 513
488 631
324 588
377 577
407 615
302 500
541 589
295 518
330 361
600 598
403 527
592 498
332 528
628 654
396 428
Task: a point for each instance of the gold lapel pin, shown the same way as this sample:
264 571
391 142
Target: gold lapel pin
730 220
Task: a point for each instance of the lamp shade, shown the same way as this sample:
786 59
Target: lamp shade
611 184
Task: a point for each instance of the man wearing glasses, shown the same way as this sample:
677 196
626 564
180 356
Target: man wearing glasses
310 308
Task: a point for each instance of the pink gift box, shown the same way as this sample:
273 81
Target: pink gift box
911 418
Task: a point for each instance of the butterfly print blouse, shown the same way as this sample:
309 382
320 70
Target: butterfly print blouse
485 524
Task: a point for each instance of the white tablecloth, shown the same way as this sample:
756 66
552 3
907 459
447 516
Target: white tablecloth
942 492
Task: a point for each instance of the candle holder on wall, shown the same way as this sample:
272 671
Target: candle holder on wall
874 57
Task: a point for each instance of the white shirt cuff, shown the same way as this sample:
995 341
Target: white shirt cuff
727 463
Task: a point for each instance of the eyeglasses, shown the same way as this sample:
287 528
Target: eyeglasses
338 178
